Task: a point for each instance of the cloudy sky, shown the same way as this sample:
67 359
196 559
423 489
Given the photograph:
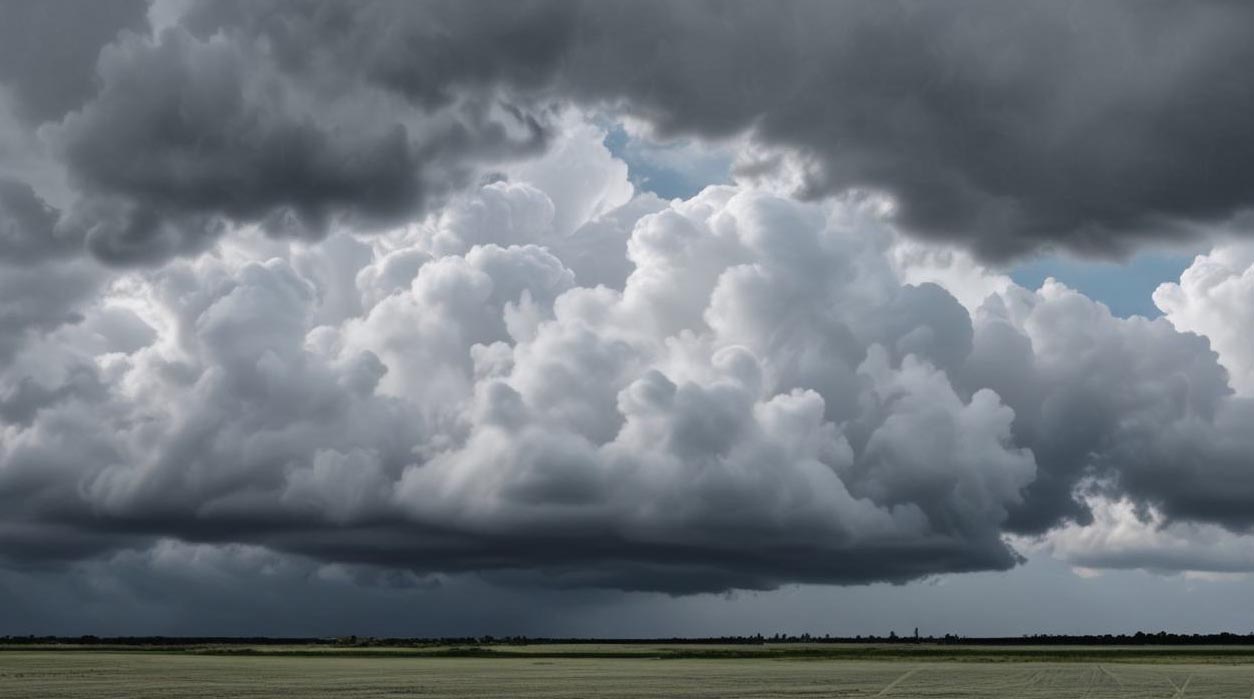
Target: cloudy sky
626 318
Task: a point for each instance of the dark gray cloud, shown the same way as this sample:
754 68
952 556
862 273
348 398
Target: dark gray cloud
233 590
1089 127
165 588
189 134
29 230
48 49
41 298
43 277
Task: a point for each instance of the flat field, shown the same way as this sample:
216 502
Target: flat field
627 671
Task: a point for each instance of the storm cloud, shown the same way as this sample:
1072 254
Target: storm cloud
359 287
1091 127
764 398
1047 125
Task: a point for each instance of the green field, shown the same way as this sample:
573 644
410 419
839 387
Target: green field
627 671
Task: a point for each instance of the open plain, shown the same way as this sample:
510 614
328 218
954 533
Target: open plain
628 671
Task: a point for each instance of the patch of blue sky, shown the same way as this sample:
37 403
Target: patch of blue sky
674 169
1125 287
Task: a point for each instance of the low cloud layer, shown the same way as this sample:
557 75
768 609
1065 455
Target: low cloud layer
1126 535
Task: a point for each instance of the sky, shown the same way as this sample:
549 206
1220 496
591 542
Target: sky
625 318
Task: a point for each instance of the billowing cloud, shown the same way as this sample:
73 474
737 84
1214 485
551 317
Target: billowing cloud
378 298
1126 536
770 391
1215 299
490 414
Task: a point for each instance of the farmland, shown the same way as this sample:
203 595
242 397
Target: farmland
628 671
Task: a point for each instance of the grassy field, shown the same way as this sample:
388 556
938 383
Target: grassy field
638 671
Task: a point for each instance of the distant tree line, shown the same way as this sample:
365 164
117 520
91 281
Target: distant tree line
1139 638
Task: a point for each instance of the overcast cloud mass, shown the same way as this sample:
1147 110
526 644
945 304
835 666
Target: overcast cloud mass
352 301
